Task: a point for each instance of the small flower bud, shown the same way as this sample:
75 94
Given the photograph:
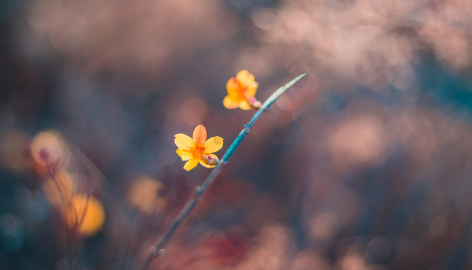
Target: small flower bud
210 160
255 104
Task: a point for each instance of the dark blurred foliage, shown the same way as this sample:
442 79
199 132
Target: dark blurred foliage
363 165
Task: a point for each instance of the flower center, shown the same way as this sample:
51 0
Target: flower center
199 152
241 94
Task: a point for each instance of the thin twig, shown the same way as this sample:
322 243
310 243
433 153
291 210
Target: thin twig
199 191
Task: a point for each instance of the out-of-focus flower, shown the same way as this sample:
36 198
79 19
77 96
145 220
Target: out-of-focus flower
241 92
85 215
49 150
198 149
147 195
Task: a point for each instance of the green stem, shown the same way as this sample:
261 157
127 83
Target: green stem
199 191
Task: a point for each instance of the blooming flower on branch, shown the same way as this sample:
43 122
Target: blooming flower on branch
241 92
199 149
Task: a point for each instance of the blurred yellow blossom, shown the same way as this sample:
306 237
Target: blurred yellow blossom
85 215
147 195
198 149
241 92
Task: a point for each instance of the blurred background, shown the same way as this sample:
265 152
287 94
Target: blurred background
364 165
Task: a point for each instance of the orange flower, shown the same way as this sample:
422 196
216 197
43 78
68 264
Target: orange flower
198 149
241 92
147 195
85 215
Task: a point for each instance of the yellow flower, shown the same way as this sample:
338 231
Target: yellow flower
198 149
241 92
85 215
147 195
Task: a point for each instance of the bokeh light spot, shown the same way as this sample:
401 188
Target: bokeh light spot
147 195
86 215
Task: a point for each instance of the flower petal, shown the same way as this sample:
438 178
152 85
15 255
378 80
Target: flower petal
200 136
251 89
245 78
244 105
230 103
185 155
184 142
202 162
192 163
213 144
234 88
